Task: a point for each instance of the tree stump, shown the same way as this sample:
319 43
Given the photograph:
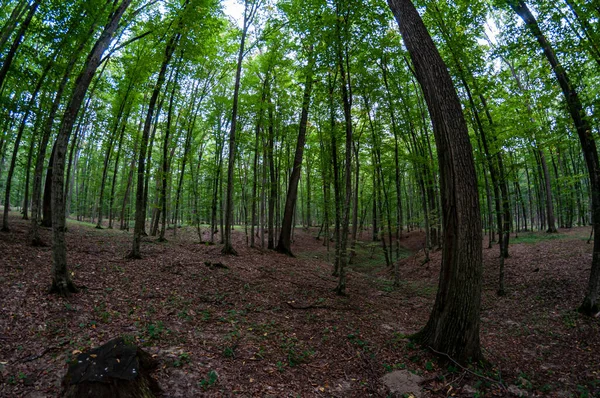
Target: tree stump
114 370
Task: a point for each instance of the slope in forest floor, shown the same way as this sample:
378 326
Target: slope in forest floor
269 325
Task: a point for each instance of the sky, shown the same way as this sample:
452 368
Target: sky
234 9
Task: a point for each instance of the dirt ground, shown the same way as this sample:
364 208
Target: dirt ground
265 325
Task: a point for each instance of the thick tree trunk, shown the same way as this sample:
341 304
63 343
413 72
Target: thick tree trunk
124 221
336 175
34 236
61 281
284 243
453 327
356 151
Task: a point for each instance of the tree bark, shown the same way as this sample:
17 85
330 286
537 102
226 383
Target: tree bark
453 326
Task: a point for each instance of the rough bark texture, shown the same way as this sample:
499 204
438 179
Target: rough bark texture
590 305
61 281
453 326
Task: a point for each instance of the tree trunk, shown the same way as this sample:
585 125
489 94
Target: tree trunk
140 214
17 143
15 15
453 327
258 126
284 244
249 12
272 175
61 281
16 43
345 81
590 305
116 169
111 141
165 165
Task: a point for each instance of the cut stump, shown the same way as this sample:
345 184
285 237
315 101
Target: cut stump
114 370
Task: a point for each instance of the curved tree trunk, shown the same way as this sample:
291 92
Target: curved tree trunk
453 326
61 281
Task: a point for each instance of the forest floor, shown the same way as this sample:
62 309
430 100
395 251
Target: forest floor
266 325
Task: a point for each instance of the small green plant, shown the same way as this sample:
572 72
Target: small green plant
105 316
296 354
583 392
392 367
184 316
570 320
546 388
211 379
155 330
524 381
182 359
355 339
429 365
229 352
280 366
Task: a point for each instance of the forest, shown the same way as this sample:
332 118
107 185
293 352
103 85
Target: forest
298 198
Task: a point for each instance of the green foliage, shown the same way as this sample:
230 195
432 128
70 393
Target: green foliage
210 380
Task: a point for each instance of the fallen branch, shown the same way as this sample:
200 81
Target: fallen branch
37 356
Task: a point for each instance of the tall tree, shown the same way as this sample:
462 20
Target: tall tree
140 203
590 305
453 326
250 9
284 243
61 281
